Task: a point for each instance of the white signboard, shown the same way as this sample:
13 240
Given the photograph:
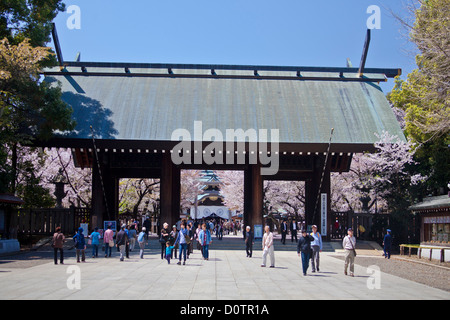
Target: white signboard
258 231
85 229
206 211
323 214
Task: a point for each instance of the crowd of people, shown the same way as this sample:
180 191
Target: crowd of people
180 241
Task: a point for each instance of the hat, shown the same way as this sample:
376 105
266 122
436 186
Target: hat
314 226
388 230
144 229
349 229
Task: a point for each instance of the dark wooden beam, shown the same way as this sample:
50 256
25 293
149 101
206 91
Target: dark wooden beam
339 76
362 64
389 72
158 145
57 45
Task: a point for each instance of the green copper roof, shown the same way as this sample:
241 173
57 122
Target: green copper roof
133 106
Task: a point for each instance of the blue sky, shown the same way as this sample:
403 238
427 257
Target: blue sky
263 32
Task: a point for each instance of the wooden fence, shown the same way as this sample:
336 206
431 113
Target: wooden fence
45 221
366 226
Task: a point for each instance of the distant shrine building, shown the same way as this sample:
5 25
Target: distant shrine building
281 118
210 202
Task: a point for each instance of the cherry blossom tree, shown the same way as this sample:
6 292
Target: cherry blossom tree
383 176
79 181
137 195
232 189
190 184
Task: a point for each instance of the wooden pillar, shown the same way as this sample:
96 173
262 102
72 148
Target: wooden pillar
104 195
313 199
253 196
247 199
176 193
311 194
257 195
326 188
170 191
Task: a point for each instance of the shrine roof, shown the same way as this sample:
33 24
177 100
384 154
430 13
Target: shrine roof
148 102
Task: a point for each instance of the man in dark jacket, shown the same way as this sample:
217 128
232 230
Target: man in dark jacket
284 231
387 243
248 242
121 241
148 227
304 247
293 228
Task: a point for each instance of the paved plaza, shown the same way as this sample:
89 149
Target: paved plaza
227 275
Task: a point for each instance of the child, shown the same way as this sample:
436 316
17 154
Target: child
141 241
169 249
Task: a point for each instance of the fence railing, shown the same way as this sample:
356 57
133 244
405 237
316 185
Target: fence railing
365 226
45 221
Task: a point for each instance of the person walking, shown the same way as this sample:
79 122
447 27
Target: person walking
349 244
127 246
304 248
284 231
387 244
316 247
108 240
182 240
164 237
57 244
132 236
204 237
249 241
141 240
80 245
190 247
268 249
293 228
121 241
147 225
169 249
95 241
197 232
172 238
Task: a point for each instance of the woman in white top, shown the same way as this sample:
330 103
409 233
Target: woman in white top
267 245
349 244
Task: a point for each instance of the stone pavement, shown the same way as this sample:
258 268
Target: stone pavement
227 275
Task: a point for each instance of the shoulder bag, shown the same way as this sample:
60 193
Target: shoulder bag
354 251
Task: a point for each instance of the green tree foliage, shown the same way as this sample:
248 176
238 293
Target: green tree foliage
424 95
29 108
28 19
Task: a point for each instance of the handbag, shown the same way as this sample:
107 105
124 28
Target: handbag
354 251
111 243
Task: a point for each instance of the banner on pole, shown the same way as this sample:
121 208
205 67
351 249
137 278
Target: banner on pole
323 214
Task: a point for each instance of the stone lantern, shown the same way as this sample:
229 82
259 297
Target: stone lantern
59 181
